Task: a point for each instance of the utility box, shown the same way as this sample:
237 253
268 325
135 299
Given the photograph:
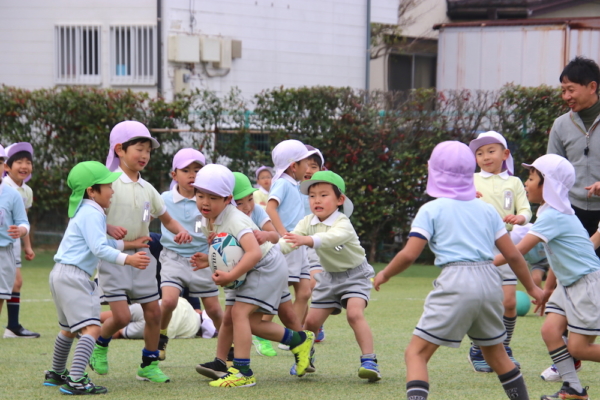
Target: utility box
236 49
225 61
182 80
184 48
210 49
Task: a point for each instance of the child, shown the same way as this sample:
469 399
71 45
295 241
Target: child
536 257
496 186
18 169
176 272
74 294
132 205
346 279
571 289
286 209
261 292
243 196
466 298
263 177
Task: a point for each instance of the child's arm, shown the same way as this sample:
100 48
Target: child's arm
596 239
181 235
274 215
548 290
522 207
29 253
268 233
524 247
413 249
116 232
252 255
339 233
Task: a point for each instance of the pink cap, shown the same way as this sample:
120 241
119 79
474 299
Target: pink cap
264 168
124 132
451 169
3 152
16 148
184 158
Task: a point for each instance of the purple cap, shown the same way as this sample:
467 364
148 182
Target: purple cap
184 158
2 152
264 168
310 148
124 132
492 137
451 168
18 147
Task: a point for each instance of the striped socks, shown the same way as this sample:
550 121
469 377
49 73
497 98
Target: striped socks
564 364
62 348
514 385
83 352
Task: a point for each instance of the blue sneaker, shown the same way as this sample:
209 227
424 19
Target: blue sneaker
475 357
369 370
510 355
320 335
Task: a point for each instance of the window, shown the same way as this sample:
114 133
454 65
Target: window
133 55
77 54
411 71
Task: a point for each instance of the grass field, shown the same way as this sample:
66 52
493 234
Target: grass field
392 314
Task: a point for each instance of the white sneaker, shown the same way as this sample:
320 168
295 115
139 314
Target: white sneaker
551 374
283 347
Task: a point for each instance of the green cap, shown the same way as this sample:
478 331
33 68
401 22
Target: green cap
85 175
332 178
243 187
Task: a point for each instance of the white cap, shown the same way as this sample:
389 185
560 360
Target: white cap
287 152
559 178
490 138
215 179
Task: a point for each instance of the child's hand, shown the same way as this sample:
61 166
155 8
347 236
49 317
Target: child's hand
295 240
514 219
29 254
141 242
116 231
540 297
138 260
211 237
222 278
182 237
380 279
478 195
16 232
199 261
261 236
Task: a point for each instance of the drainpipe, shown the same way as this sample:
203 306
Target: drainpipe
159 80
368 52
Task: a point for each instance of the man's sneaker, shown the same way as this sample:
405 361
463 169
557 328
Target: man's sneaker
475 357
320 335
510 355
234 378
302 353
99 360
20 333
162 347
214 369
311 367
283 347
54 379
152 373
551 374
566 392
263 347
369 370
81 386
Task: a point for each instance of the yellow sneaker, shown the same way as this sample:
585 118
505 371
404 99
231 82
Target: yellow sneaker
302 353
234 378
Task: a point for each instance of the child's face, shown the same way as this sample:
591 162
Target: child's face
103 197
533 189
311 168
490 157
136 156
186 176
20 169
246 204
264 180
299 169
210 205
323 201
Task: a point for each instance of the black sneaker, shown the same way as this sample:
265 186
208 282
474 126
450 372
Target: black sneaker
54 379
214 370
567 392
162 347
81 386
230 357
20 333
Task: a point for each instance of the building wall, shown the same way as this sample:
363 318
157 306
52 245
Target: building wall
591 9
423 17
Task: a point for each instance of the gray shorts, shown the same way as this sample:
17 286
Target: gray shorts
265 284
176 271
8 271
542 266
579 303
121 281
17 251
297 263
314 263
333 289
507 274
75 297
466 300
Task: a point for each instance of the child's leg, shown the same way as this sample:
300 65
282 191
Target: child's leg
510 311
509 374
316 317
119 319
287 315
416 356
83 351
213 309
582 347
355 312
14 329
538 276
302 292
170 297
152 329
225 338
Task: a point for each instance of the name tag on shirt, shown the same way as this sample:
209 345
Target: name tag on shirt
508 200
146 212
1 217
198 224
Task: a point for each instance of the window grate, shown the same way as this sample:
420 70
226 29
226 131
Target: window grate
133 55
77 54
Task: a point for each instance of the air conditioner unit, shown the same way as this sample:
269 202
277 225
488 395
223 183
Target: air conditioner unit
210 49
225 61
184 48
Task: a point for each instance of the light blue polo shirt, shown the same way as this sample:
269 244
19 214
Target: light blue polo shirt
291 207
536 254
12 212
306 199
85 240
185 211
459 231
259 216
567 243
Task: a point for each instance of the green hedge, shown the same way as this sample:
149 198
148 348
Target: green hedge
379 146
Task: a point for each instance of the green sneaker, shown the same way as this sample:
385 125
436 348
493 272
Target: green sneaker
81 386
152 373
263 347
99 360
302 352
234 378
53 378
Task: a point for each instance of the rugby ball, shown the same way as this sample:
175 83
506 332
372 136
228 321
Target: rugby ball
223 255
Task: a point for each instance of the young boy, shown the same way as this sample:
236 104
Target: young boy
264 175
75 296
467 296
286 209
536 257
176 272
134 202
260 293
496 186
571 289
346 279
17 170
